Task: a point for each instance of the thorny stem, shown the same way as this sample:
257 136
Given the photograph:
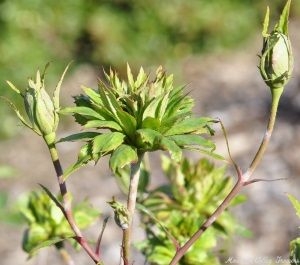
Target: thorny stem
243 179
131 203
66 199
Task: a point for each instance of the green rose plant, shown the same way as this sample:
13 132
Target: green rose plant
125 120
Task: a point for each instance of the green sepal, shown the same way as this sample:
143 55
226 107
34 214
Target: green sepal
57 88
282 25
21 118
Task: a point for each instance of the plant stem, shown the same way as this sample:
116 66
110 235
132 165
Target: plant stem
276 94
243 179
66 199
131 203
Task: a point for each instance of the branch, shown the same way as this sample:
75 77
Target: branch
131 204
66 199
243 179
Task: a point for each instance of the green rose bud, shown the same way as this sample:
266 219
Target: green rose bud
276 63
276 60
39 107
120 214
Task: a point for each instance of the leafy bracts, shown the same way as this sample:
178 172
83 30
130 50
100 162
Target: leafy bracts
176 210
132 117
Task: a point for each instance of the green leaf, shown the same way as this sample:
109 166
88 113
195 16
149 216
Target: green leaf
190 125
84 136
192 140
148 139
151 123
143 209
84 157
122 156
162 106
103 125
52 197
107 142
46 243
130 77
125 120
93 95
85 111
295 203
174 150
85 214
33 237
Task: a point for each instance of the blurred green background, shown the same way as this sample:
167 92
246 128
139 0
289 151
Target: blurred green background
112 32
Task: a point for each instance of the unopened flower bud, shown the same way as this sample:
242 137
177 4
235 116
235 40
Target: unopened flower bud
276 61
121 214
40 108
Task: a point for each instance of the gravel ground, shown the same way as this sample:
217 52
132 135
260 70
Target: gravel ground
227 86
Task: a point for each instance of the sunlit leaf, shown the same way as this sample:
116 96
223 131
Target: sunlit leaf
190 125
170 146
82 111
148 139
101 124
107 142
85 155
122 156
192 140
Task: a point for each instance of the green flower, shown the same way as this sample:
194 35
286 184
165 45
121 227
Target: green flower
41 110
135 116
276 61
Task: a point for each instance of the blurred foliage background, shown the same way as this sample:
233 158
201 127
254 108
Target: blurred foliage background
113 32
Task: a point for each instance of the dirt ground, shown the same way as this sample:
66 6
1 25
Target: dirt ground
226 86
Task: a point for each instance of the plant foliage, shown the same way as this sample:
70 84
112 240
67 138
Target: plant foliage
128 118
46 223
176 211
295 244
